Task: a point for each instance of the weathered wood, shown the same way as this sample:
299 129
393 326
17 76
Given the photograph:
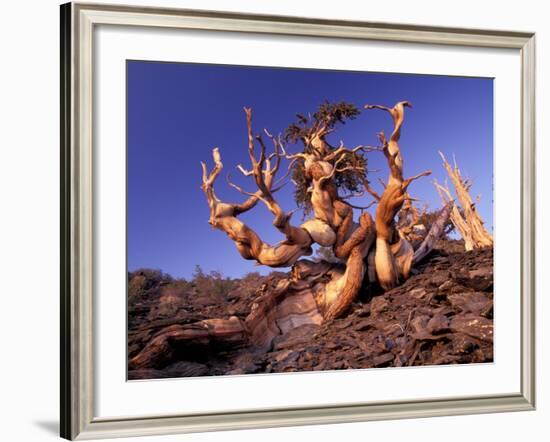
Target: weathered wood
437 229
332 224
390 255
389 272
203 333
469 223
289 305
456 218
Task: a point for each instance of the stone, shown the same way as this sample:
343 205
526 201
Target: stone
381 360
270 324
378 305
472 325
438 324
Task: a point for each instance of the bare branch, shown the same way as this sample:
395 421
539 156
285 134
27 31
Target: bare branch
346 168
377 106
368 188
248 112
257 194
207 178
244 171
408 181
444 192
334 170
343 150
368 206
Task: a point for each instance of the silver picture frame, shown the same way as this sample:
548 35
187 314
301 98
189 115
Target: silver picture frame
78 21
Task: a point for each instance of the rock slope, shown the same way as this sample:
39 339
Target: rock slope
443 314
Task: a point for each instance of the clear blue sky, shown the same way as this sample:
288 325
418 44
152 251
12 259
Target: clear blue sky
178 112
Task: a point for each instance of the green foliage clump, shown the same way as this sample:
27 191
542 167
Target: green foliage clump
348 181
325 119
301 184
328 115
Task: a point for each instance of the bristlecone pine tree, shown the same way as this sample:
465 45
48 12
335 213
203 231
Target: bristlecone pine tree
370 251
321 174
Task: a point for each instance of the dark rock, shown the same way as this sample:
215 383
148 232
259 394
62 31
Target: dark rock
381 360
419 323
363 311
440 315
179 369
463 344
378 305
439 323
479 279
474 326
363 325
471 302
446 286
440 278
295 337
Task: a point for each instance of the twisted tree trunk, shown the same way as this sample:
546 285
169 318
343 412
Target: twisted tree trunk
394 254
331 226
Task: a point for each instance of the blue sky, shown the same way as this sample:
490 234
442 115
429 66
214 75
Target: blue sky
178 112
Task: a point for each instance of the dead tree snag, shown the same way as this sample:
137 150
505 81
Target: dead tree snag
467 221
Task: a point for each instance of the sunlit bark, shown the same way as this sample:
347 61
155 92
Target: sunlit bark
393 256
365 247
468 222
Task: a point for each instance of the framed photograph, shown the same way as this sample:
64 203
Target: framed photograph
276 220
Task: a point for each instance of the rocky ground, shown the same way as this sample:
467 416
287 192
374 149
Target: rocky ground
443 314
